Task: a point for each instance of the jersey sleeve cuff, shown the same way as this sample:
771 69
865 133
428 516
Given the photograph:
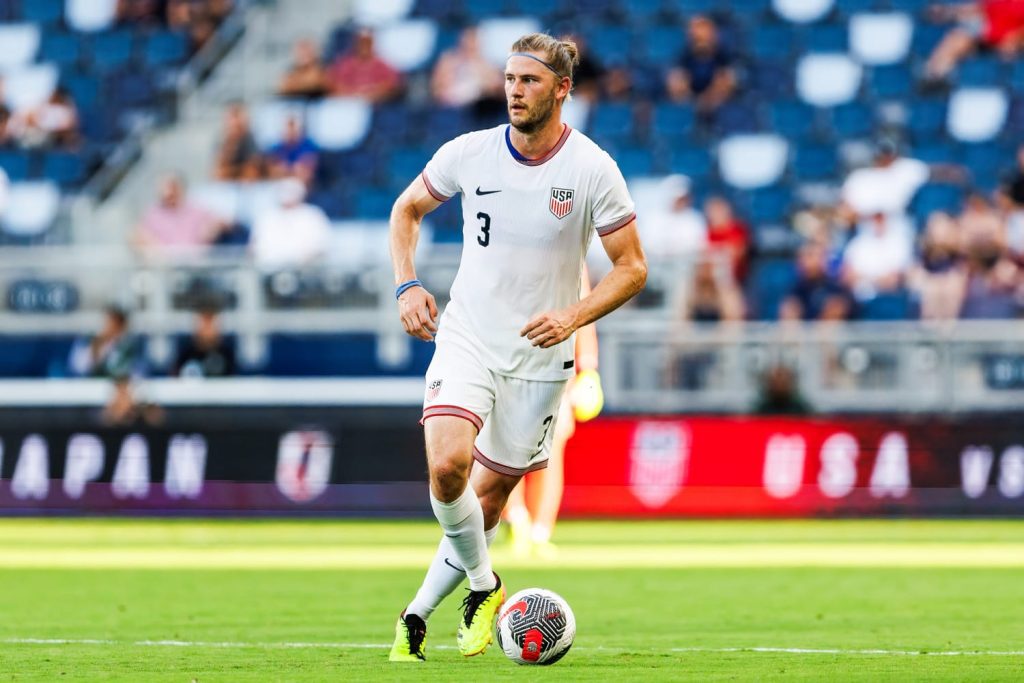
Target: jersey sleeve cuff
433 190
612 227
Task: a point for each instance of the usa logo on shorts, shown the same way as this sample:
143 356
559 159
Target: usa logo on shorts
561 202
433 390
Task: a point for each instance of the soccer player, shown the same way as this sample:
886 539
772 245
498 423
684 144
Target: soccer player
533 194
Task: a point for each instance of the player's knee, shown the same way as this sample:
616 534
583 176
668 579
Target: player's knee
448 478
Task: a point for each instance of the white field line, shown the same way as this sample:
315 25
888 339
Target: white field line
605 650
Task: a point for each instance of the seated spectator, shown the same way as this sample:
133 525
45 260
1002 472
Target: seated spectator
938 277
713 295
981 225
705 72
462 76
991 291
727 234
238 158
199 18
112 353
152 12
53 123
589 75
306 76
780 393
884 190
295 156
876 260
983 25
618 84
816 294
678 230
206 353
361 73
293 236
173 225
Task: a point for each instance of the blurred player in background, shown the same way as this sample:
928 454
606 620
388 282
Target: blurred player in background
533 194
532 509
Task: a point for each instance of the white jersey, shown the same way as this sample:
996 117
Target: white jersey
527 224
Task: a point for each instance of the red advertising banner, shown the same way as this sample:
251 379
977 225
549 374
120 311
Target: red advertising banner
794 466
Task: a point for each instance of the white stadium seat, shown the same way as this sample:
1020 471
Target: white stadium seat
90 16
883 38
29 86
827 79
407 45
575 112
497 36
19 44
31 207
977 114
751 161
269 118
356 243
221 199
802 11
380 12
339 123
256 199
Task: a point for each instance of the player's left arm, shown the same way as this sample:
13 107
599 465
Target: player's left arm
626 278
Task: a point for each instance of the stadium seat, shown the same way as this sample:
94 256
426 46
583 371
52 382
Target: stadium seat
15 163
46 12
694 162
374 203
770 81
62 49
769 205
219 198
635 161
936 197
616 44
892 82
772 42
31 208
815 162
926 37
269 119
112 50
985 161
575 113
825 38
926 118
165 49
83 88
769 283
89 16
977 114
802 11
477 10
19 44
406 163
132 90
662 45
826 80
736 117
877 39
672 122
853 120
407 45
981 72
889 306
380 12
611 120
496 35
936 152
751 161
67 169
791 119
29 86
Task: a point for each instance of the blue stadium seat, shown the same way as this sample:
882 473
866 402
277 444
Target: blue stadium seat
672 122
132 89
926 37
112 50
42 11
773 42
166 48
891 82
1017 76
815 162
483 9
768 205
406 163
31 356
67 169
612 119
612 44
891 306
981 72
15 163
848 7
695 6
825 38
985 161
635 161
691 161
394 123
770 80
736 117
374 203
532 8
63 49
936 197
662 45
853 120
769 283
936 152
792 119
926 119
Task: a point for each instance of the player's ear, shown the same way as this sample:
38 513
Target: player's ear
564 87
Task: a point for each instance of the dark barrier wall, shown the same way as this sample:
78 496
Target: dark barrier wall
355 461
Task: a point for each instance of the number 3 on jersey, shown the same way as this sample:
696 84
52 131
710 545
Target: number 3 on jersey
484 238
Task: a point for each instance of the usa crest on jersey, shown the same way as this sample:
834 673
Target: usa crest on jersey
561 202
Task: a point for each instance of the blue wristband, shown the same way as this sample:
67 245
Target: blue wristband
406 285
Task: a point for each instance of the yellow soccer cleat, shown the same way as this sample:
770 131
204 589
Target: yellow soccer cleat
410 640
476 630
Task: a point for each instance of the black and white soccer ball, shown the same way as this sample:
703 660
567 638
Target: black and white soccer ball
536 626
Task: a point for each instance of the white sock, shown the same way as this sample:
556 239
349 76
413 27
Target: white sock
541 533
443 577
463 524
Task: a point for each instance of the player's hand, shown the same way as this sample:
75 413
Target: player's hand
587 396
548 329
418 311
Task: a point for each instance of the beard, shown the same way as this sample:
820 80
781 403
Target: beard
536 118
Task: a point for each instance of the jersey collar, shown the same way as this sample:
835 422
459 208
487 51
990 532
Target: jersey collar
526 161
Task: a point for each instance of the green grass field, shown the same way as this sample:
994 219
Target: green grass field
317 600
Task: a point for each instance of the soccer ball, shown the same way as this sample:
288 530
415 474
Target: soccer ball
536 626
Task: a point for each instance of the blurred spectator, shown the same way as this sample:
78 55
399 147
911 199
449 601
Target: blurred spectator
1011 197
292 236
938 277
53 123
991 290
238 158
983 25
295 156
361 73
462 76
589 74
125 409
5 188
780 393
6 134
199 18
142 11
876 260
705 72
111 353
306 76
884 189
713 295
981 226
678 230
618 84
206 353
174 224
816 294
727 234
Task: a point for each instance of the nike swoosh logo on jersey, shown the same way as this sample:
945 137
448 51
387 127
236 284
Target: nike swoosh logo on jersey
481 193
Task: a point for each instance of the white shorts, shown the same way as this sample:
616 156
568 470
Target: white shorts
514 417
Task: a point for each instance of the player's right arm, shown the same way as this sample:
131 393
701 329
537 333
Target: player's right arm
416 306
